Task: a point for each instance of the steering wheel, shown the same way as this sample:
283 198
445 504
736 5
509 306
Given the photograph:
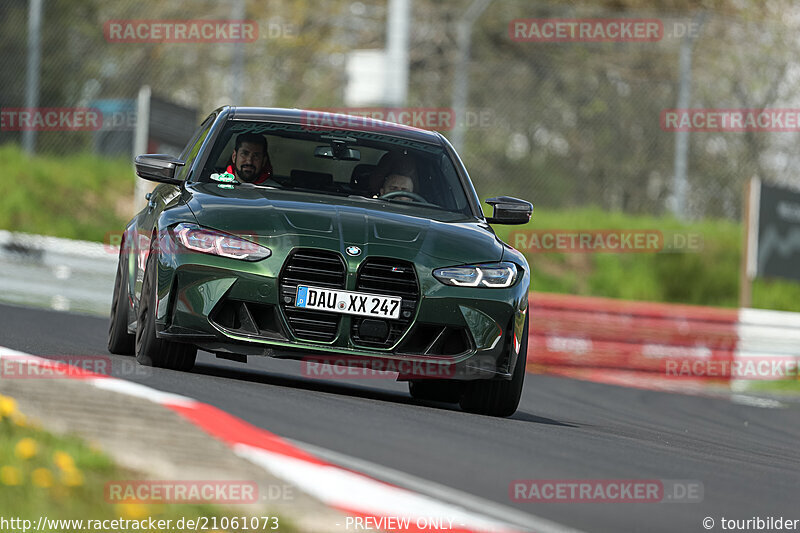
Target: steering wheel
407 194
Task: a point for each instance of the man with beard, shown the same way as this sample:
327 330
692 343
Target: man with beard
249 162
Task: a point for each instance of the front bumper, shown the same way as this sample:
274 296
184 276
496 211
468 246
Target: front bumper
234 307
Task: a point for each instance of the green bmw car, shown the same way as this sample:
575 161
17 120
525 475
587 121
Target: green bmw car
330 239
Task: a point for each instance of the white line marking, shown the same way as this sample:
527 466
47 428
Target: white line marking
140 391
753 401
340 488
105 383
435 490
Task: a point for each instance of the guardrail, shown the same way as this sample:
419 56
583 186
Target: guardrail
62 274
671 339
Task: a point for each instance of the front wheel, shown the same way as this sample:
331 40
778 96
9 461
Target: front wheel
498 398
120 341
150 350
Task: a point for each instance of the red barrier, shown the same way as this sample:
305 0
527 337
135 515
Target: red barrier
635 328
578 331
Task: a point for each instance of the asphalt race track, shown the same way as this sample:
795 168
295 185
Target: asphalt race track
747 457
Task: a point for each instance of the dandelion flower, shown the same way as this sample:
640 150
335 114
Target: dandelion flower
64 461
8 406
42 477
10 476
26 448
132 511
72 478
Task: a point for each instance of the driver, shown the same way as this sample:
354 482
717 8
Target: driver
397 182
391 163
250 160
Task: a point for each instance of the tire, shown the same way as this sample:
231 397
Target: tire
495 397
150 350
435 390
120 341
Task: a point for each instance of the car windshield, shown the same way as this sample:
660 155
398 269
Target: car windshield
365 164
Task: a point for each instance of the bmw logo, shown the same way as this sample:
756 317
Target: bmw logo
353 250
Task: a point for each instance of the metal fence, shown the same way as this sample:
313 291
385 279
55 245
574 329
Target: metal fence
563 123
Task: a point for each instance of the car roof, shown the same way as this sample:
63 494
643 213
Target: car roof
358 123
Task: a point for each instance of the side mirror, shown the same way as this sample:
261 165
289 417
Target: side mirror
507 210
158 167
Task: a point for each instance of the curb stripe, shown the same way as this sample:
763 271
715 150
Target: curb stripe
235 431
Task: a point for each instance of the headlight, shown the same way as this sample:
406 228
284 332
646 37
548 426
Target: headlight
209 241
496 275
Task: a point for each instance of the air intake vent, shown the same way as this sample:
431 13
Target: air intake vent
436 340
249 318
318 268
391 277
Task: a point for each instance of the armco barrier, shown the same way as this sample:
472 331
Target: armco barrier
576 331
63 274
768 335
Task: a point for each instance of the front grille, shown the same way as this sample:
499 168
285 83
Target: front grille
318 268
390 277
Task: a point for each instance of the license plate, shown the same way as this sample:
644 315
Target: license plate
348 302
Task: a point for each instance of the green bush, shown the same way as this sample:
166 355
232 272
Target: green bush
79 196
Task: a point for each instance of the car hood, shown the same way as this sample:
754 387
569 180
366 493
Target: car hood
283 220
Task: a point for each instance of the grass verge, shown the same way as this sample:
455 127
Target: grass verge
64 478
788 387
79 196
